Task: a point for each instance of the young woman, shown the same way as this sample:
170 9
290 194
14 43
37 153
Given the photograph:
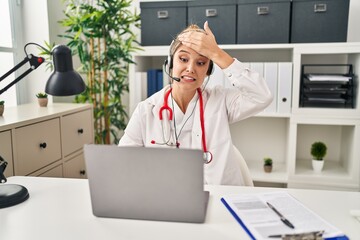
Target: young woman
186 114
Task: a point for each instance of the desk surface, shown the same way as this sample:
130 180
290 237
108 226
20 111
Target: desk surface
60 208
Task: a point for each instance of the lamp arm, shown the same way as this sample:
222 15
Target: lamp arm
35 62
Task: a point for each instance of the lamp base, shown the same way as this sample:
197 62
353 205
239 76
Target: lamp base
12 194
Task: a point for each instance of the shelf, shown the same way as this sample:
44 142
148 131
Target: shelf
287 137
331 169
278 174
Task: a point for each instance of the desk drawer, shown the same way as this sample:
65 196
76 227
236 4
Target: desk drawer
37 146
76 131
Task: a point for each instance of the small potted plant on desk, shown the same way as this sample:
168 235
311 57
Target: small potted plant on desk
2 107
268 162
42 99
318 151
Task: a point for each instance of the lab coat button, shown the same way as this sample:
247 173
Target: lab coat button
229 74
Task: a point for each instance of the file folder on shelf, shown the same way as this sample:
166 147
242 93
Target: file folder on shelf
284 87
271 76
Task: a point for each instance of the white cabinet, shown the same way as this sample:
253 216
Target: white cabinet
6 151
46 141
287 136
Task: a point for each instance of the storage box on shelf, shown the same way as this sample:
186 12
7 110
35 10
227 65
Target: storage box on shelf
221 15
286 137
161 21
319 21
46 141
263 21
248 21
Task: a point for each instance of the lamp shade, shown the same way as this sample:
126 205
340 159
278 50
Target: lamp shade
64 81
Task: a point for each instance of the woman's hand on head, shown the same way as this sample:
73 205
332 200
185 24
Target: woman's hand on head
204 43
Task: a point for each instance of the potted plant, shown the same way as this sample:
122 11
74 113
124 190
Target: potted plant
102 34
2 107
268 162
42 99
318 152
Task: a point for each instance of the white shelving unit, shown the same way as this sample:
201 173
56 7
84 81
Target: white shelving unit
287 137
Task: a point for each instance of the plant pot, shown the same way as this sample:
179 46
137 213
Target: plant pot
317 165
267 168
2 107
43 102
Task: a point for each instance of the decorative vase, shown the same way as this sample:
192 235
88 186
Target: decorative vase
267 168
43 102
317 165
2 107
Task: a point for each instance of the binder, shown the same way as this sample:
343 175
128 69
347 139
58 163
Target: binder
153 76
284 87
271 78
159 80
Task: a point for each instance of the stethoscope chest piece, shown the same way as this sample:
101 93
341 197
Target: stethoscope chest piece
207 157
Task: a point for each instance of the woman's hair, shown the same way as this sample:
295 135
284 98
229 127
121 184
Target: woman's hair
176 43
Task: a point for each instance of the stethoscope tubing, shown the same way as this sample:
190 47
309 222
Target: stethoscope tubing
165 107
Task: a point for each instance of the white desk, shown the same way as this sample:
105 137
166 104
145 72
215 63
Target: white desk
60 208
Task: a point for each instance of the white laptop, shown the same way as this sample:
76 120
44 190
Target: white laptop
146 183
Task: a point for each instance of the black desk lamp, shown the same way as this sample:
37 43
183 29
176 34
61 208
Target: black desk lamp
64 81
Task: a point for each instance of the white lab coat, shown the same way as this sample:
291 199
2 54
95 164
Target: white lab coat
222 106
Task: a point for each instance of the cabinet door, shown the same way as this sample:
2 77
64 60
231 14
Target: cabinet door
76 131
37 146
6 152
75 167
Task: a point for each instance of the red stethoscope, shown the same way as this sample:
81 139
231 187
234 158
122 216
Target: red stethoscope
207 155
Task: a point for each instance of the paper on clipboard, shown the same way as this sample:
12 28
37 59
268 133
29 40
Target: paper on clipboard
260 222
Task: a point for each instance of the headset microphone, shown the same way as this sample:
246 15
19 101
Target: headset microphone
173 78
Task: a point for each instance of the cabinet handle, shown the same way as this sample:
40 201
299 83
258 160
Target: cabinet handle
262 10
320 7
211 13
43 145
82 172
80 131
162 14
284 99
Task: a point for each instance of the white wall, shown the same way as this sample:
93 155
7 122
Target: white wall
35 29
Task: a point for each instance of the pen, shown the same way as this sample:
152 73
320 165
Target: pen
283 219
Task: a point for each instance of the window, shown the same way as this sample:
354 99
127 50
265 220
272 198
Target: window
9 43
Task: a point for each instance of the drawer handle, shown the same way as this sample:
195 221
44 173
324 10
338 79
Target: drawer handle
262 10
211 12
80 131
320 7
43 145
82 172
162 14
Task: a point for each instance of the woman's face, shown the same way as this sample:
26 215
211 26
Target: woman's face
190 67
